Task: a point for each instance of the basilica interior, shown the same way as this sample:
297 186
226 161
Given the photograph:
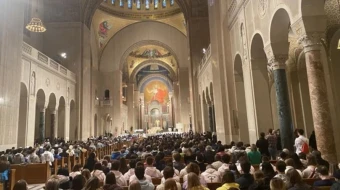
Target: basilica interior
81 68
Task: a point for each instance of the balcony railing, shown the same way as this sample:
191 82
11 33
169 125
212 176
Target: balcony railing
205 58
106 102
47 62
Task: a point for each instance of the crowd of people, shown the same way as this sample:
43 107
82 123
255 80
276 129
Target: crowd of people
188 161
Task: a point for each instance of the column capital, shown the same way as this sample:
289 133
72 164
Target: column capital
311 41
277 62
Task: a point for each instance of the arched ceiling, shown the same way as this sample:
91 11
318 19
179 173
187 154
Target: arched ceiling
110 18
150 59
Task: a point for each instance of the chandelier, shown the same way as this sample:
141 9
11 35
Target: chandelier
36 25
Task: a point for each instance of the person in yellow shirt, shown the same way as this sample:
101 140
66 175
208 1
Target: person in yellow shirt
228 182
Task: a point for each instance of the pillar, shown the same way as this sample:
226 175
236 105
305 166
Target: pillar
130 105
116 96
318 95
67 122
184 97
42 124
54 125
11 37
277 66
210 116
177 114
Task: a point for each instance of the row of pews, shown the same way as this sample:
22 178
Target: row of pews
40 173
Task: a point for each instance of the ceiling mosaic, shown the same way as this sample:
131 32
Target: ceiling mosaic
106 23
150 54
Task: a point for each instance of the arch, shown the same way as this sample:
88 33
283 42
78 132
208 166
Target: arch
141 33
152 77
73 122
61 118
240 117
259 73
148 62
279 30
22 121
143 43
39 132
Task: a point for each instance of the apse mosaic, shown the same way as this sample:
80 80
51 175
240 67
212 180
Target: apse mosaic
151 69
156 90
150 53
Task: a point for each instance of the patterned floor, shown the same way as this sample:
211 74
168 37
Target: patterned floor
36 186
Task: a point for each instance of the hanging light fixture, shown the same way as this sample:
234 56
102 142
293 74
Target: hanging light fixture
36 25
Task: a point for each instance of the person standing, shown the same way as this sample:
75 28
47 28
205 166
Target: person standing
300 142
262 144
272 144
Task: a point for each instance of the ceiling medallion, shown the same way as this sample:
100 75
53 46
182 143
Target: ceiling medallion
262 7
36 25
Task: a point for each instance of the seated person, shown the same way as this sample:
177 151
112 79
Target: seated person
290 164
295 180
145 184
211 175
150 170
277 184
324 176
280 169
133 178
336 184
168 174
225 166
228 181
121 181
177 162
193 168
260 182
217 164
246 179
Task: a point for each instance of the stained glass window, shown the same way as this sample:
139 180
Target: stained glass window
121 3
130 4
147 4
138 4
156 4
163 3
113 2
172 2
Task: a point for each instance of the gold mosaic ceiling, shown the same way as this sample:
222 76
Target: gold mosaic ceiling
153 54
111 18
141 9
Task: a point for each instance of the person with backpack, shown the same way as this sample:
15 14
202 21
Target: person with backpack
301 143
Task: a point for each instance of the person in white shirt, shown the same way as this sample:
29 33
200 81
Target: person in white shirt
76 170
47 156
131 171
300 141
225 166
217 164
70 151
168 174
211 175
97 172
151 170
120 179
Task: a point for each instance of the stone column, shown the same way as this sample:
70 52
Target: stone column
54 125
277 66
210 116
184 95
42 124
130 105
318 95
116 96
67 122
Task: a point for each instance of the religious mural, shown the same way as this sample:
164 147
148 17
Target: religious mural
104 27
156 90
149 53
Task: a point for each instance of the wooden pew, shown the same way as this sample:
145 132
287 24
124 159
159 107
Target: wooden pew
310 181
125 187
214 186
156 181
58 164
32 173
11 182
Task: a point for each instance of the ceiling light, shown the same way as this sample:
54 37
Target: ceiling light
63 55
36 25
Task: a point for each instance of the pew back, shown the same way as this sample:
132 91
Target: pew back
32 173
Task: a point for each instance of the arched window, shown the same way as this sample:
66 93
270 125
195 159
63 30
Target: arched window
138 4
156 4
107 94
130 4
163 3
147 4
121 3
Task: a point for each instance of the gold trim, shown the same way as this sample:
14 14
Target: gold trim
140 16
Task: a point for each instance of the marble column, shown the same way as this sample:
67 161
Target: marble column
67 122
277 66
318 95
42 124
130 105
116 96
54 125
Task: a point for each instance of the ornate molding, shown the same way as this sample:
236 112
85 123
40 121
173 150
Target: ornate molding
262 7
312 41
277 62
